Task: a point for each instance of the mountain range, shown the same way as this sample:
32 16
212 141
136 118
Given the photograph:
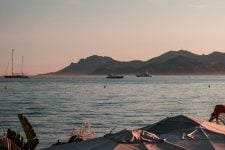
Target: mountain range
171 62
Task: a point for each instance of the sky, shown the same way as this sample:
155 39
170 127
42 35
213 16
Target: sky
50 34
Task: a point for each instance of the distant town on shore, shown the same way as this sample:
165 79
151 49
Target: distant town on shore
170 63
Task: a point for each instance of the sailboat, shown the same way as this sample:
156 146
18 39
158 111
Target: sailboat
16 75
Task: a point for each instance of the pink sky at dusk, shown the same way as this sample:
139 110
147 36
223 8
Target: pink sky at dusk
51 34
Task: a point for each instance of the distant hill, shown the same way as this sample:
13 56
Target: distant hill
100 65
171 62
172 54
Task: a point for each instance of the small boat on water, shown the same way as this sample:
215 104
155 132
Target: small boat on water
113 76
16 75
146 74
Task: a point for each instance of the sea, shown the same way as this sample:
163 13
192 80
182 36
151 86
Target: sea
57 105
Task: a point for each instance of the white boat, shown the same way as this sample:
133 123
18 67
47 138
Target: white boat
146 74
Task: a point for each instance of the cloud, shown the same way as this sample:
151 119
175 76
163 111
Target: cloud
199 4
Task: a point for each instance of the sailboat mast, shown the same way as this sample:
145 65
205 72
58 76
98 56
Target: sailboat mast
12 60
22 66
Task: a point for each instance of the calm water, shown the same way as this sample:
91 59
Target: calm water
56 105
